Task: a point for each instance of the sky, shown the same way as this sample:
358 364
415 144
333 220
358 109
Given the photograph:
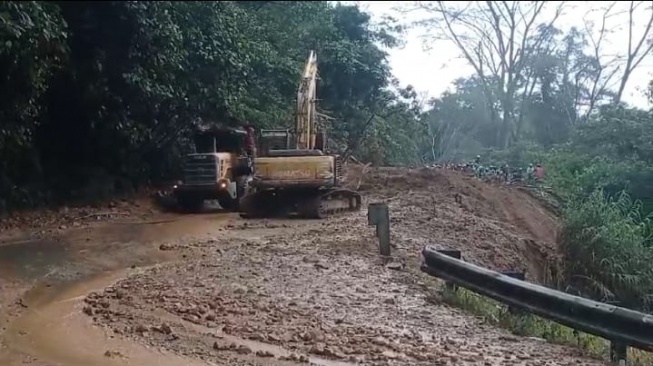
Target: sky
432 71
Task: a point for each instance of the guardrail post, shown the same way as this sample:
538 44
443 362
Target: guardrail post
453 254
522 277
379 215
618 353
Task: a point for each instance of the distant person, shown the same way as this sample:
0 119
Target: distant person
505 170
250 141
518 175
539 172
250 145
530 171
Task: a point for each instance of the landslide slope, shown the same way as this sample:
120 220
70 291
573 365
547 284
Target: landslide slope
496 226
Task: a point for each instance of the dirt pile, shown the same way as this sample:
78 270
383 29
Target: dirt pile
496 226
281 292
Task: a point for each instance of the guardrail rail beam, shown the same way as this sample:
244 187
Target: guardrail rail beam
622 327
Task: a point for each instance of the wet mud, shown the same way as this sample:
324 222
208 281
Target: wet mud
214 289
43 281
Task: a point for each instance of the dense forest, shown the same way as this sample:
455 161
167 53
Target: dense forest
98 98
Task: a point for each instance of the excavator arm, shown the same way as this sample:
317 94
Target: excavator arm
305 128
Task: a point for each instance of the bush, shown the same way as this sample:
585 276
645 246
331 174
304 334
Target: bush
605 246
575 176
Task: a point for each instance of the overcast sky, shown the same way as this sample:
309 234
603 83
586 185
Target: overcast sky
433 71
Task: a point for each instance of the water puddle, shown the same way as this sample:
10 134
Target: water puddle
55 329
52 326
33 259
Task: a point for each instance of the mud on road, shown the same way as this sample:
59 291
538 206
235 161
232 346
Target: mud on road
217 290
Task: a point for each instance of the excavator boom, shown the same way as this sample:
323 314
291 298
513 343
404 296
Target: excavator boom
305 115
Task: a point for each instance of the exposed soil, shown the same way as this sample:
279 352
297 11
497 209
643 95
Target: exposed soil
231 292
495 226
48 222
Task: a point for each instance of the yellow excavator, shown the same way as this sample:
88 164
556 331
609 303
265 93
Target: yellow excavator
294 174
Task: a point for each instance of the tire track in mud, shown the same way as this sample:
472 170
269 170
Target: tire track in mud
54 329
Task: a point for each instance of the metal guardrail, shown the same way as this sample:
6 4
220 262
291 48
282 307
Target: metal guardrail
622 327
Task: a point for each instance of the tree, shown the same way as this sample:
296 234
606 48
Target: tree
637 51
617 68
101 96
459 122
497 39
32 49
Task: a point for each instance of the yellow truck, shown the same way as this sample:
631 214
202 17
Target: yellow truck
219 169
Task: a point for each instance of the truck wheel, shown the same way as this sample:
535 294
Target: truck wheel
250 207
228 203
189 204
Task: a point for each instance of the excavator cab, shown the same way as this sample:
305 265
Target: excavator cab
271 140
282 142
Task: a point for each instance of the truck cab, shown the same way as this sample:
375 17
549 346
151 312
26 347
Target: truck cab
218 169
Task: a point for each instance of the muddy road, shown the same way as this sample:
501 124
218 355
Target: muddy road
213 289
46 272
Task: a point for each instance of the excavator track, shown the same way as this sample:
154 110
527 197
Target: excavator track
316 204
333 202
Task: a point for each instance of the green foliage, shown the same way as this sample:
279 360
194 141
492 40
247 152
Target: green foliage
32 46
32 49
606 246
611 152
108 91
534 326
605 240
617 133
524 324
576 176
520 154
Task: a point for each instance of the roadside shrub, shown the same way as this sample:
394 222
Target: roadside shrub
606 250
